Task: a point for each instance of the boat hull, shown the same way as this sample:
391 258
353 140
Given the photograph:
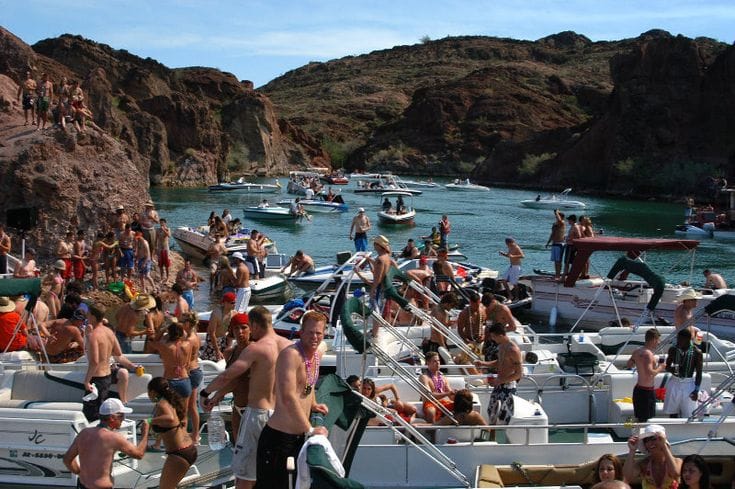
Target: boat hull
269 214
319 207
397 219
553 204
466 188
251 188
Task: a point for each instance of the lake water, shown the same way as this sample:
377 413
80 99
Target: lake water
480 223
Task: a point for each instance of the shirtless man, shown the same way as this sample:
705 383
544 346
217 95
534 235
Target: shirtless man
570 251
254 253
119 220
220 321
242 284
441 313
509 371
714 280
26 268
515 255
79 255
5 245
214 252
162 248
143 263
297 370
148 221
495 312
556 240
134 319
443 271
684 312
438 386
101 344
359 228
240 386
44 92
96 447
422 273
64 250
259 359
27 90
126 241
188 280
300 263
644 360
471 321
66 343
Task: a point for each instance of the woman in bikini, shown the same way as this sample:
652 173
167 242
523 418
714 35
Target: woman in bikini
196 376
169 422
660 469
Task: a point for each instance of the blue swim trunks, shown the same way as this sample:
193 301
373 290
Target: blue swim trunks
127 260
144 266
557 252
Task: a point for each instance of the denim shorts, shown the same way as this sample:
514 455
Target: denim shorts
181 386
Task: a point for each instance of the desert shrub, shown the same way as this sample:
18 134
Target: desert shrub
532 163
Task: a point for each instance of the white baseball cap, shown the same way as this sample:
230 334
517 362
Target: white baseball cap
238 256
113 406
360 210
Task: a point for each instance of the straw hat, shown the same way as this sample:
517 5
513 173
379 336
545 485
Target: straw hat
383 242
143 301
688 294
6 305
60 265
648 432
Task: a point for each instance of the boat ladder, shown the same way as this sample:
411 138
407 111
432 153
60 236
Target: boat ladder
415 438
701 410
353 262
444 330
402 339
409 377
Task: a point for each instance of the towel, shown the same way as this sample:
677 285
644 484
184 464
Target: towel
304 479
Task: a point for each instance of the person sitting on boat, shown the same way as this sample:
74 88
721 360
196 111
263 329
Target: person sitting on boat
410 250
684 362
400 408
608 468
659 469
10 339
684 312
330 195
440 312
400 205
300 263
471 321
96 446
435 237
714 280
463 411
437 384
65 343
538 197
263 204
428 249
387 206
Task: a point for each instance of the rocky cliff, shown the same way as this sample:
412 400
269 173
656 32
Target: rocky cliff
652 114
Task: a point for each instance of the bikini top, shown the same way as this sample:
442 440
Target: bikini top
647 481
162 429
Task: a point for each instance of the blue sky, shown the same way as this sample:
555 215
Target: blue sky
260 40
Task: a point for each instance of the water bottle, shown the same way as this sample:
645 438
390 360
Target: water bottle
581 336
216 434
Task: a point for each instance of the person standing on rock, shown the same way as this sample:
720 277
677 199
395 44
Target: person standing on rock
143 262
148 222
78 256
119 220
127 258
360 226
43 101
27 90
77 104
64 250
63 106
5 245
163 234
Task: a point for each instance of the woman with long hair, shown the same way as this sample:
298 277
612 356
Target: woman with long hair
175 351
196 376
694 473
608 468
402 409
169 422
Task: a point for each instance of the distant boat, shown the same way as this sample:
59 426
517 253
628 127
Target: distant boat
270 213
251 188
400 213
554 201
383 183
466 186
320 204
420 183
196 241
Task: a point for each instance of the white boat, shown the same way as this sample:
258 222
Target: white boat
247 187
466 186
300 181
270 213
400 213
320 204
420 183
696 232
554 201
604 298
195 242
383 183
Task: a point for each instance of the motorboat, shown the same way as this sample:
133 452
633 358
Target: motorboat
420 183
383 183
554 201
707 231
320 204
240 185
466 186
604 298
400 213
271 213
706 224
335 179
195 241
301 181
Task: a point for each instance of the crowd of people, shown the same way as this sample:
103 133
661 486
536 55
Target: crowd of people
64 102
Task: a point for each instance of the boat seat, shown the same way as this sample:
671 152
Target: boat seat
17 357
538 475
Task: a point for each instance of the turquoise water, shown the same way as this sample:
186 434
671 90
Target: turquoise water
480 223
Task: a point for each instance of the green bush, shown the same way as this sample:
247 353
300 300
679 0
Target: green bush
338 151
531 163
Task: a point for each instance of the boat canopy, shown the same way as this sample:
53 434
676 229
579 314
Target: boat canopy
633 246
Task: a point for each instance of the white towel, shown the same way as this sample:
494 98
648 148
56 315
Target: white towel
304 479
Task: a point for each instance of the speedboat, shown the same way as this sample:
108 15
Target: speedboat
400 213
320 204
707 231
420 183
704 224
554 201
195 242
271 213
335 179
383 183
242 186
466 186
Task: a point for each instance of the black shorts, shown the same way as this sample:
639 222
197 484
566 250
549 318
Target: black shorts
91 409
569 253
644 403
274 448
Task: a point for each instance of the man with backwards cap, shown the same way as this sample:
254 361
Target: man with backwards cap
360 226
242 287
96 447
